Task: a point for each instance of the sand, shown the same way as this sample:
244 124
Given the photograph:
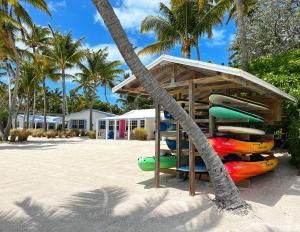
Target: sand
95 185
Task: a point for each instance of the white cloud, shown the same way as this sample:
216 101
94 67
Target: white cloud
132 12
232 38
218 38
54 5
114 53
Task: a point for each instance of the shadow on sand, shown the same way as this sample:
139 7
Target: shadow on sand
265 189
37 144
94 211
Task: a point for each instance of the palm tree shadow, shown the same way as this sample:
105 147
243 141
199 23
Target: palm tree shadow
95 211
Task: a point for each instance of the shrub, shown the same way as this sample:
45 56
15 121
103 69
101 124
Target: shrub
23 135
13 135
37 133
75 133
51 134
83 133
60 134
92 134
67 134
1 136
140 134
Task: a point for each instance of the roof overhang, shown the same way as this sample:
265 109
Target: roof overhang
234 75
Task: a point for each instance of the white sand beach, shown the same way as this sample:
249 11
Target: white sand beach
95 185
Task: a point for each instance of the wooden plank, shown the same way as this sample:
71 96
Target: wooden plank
157 145
192 187
178 144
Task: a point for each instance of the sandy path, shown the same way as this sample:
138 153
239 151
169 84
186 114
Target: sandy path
95 185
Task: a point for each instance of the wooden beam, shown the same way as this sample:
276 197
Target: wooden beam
192 188
157 145
178 144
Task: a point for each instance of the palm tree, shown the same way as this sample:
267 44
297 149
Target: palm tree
36 39
44 68
182 24
13 16
227 194
65 52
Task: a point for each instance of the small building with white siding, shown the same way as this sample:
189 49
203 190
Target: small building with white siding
81 119
122 126
53 122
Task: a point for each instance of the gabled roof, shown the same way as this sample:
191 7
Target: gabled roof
135 114
94 111
210 69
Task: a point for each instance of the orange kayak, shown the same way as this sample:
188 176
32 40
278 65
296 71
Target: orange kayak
225 146
240 171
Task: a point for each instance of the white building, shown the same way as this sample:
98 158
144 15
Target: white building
81 120
52 121
116 127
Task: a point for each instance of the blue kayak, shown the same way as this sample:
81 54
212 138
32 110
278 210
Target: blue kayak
167 126
171 143
198 168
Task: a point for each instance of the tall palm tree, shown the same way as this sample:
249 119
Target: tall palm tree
13 16
66 53
36 39
181 24
44 68
226 193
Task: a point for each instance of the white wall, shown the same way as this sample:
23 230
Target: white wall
85 115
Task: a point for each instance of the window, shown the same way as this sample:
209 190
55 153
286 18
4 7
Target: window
142 123
102 124
118 125
111 125
77 124
126 129
133 124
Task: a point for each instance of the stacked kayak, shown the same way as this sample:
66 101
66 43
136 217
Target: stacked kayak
148 163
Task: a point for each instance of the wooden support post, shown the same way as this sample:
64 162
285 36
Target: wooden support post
157 145
192 188
178 145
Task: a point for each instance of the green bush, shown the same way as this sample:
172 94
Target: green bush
140 134
92 134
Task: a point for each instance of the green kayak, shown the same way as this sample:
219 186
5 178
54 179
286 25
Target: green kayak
233 113
148 163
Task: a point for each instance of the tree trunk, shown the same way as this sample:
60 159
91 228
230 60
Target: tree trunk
33 108
91 114
45 106
198 51
105 94
64 99
27 108
15 91
242 34
226 193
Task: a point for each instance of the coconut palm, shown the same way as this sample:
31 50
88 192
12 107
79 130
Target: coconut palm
44 68
13 15
182 24
226 193
66 53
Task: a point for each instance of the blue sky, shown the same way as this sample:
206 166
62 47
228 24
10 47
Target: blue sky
80 17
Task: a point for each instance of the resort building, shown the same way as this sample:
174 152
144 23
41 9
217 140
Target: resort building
122 126
81 119
53 122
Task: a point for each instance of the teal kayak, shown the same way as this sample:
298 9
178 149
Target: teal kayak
148 163
233 113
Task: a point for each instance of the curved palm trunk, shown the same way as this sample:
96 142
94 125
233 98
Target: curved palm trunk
226 193
12 107
197 49
64 99
33 109
45 106
242 34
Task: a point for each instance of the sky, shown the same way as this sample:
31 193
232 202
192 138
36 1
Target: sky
80 17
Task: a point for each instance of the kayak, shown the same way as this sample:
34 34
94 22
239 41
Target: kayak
167 126
225 146
225 112
240 170
223 99
171 143
198 168
240 130
148 163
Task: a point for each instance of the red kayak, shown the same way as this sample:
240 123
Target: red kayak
225 146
